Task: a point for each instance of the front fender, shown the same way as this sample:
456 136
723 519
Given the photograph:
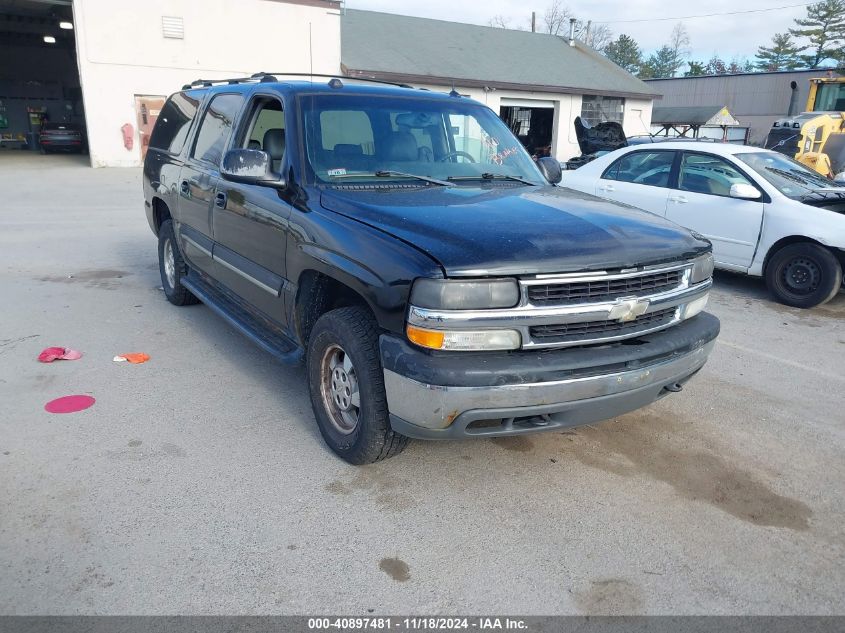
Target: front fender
377 266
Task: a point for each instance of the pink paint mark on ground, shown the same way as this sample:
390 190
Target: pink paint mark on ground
69 404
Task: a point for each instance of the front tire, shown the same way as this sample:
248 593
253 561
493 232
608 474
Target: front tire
346 384
803 275
172 267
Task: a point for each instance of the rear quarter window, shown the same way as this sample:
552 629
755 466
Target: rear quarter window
174 122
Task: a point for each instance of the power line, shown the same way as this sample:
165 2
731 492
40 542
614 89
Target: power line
705 15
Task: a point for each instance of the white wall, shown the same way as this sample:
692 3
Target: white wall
637 116
122 53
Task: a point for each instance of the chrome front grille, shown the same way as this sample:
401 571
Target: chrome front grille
590 330
597 290
574 309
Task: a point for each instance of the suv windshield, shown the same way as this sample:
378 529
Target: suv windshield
790 177
361 138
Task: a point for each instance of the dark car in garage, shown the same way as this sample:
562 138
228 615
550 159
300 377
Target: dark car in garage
66 137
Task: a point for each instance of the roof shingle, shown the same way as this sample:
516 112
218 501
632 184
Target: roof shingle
418 49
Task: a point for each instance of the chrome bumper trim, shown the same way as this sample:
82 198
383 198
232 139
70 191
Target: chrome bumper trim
437 406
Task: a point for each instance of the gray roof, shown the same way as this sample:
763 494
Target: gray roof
398 47
692 115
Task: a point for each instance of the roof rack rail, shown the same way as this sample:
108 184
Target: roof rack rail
263 77
342 78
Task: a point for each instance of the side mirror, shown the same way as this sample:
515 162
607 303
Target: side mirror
250 166
744 191
550 169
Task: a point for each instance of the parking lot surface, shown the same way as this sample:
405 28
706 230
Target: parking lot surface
198 482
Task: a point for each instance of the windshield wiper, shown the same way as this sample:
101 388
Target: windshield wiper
389 173
791 175
489 176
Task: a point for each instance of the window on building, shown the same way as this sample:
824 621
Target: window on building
596 109
174 121
216 127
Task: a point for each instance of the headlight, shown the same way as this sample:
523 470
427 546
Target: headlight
702 268
692 308
448 294
466 341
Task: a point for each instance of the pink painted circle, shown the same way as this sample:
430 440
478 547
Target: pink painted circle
69 404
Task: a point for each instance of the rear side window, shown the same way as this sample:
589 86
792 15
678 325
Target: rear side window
642 168
174 121
216 127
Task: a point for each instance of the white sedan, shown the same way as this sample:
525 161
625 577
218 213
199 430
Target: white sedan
766 215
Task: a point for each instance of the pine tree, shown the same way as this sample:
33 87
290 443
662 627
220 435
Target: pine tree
696 69
824 27
625 53
781 55
661 64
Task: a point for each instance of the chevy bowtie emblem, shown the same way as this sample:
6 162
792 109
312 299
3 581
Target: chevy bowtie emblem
627 309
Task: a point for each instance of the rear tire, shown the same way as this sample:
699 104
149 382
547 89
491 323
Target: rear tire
803 275
172 267
347 387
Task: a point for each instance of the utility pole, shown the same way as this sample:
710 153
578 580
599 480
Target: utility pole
587 34
533 21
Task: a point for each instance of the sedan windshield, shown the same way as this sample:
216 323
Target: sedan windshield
365 139
790 177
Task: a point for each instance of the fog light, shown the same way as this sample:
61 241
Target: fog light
693 307
466 341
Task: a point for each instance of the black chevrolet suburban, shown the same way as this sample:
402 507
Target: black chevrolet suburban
434 279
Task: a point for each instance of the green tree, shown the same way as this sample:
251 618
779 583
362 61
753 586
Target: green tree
824 28
696 69
660 64
625 52
669 58
783 54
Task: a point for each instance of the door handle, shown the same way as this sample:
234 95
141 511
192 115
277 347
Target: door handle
606 188
220 200
678 199
185 188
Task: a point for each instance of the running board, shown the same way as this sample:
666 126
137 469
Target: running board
250 326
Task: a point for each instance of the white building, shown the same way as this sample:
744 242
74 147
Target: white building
538 83
108 64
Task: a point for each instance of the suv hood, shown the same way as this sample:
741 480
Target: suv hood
504 230
606 136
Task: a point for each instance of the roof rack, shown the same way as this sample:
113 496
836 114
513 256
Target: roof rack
335 81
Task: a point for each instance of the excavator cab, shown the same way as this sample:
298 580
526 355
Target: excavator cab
815 137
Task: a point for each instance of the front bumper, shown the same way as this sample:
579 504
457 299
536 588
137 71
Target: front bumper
452 395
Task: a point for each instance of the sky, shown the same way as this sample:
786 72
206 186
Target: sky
731 36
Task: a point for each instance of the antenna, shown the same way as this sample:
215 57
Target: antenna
310 53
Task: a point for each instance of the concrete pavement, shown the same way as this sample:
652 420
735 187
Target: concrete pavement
198 482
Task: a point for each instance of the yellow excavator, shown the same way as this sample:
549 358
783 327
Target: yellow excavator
815 137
